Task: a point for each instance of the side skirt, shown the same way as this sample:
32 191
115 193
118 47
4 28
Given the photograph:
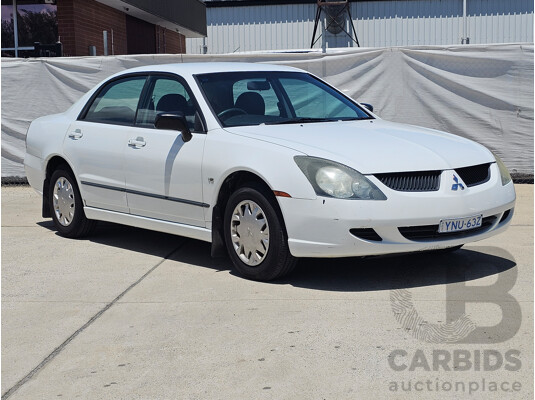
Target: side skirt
173 228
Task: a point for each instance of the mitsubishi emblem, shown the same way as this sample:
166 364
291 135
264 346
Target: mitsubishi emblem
457 184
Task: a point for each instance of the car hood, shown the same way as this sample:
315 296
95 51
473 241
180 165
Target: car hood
374 146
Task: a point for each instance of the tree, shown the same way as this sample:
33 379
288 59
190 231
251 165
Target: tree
8 38
33 27
37 27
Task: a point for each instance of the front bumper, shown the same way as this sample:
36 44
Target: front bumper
321 227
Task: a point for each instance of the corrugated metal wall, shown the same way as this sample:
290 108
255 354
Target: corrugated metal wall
378 24
500 21
257 28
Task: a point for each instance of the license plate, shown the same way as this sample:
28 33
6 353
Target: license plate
460 224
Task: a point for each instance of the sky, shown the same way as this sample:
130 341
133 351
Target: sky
8 10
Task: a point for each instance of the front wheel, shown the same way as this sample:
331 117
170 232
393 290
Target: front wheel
255 237
66 205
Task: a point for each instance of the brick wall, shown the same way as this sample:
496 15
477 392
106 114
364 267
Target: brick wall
80 25
65 15
169 42
81 22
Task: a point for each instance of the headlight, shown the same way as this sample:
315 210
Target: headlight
504 172
329 178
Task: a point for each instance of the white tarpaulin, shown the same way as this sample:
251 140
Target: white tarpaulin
483 92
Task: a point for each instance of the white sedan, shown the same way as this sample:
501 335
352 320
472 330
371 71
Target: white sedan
268 162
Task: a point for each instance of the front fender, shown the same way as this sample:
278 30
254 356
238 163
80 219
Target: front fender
226 153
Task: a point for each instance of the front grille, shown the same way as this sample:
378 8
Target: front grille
474 175
420 181
426 233
366 234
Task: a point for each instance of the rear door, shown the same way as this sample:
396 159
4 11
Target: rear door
95 142
163 173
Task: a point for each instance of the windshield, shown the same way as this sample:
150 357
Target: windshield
254 98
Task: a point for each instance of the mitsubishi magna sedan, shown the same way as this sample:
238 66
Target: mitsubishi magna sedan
267 162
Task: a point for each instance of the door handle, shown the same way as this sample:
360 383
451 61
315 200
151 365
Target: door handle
77 134
137 142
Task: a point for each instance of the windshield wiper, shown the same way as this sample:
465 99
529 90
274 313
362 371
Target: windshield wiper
307 119
355 118
299 120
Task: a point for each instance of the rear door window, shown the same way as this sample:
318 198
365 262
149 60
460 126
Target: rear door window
117 102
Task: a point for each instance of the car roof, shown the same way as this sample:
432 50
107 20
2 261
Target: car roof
210 67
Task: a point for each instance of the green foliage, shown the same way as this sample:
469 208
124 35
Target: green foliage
8 39
33 27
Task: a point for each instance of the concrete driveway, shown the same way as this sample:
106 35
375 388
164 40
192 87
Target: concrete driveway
134 314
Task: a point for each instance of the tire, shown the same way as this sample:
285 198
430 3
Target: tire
66 205
255 236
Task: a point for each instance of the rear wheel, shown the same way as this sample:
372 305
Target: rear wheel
66 205
255 236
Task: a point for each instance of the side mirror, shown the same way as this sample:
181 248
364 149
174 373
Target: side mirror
368 106
174 122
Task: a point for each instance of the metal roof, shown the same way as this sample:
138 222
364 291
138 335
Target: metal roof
185 16
244 3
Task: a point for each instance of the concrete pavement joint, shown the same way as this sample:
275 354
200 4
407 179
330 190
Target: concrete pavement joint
23 226
58 349
246 299
317 300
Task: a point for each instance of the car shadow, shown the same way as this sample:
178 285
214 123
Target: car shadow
129 238
400 271
341 274
358 274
